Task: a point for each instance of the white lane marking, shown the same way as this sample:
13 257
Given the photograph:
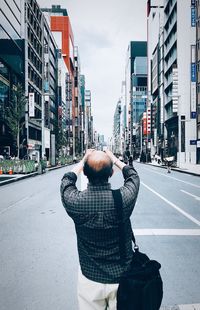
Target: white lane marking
190 217
167 176
194 196
182 307
166 232
14 204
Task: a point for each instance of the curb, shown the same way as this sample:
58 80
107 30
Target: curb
174 169
16 179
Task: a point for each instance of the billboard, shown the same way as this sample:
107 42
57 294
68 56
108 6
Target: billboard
31 101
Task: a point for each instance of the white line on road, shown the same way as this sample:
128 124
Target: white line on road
182 307
14 204
166 232
194 196
167 176
190 217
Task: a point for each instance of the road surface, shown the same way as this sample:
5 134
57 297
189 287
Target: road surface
38 259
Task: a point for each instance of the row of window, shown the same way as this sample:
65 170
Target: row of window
34 77
171 18
35 8
34 42
34 23
38 98
34 59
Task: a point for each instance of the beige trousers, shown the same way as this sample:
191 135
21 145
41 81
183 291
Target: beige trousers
96 296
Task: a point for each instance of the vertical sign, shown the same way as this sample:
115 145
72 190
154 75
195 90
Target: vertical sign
31 104
144 123
193 17
193 83
193 72
193 97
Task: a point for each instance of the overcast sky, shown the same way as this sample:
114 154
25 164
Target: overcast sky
102 31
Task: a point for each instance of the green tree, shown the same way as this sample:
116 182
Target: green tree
15 113
61 140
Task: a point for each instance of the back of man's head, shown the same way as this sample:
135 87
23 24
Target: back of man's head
98 167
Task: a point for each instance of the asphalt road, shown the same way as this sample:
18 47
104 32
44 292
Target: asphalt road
38 256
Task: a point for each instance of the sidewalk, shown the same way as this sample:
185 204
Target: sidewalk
184 168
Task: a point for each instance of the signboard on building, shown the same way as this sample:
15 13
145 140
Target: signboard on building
144 119
198 143
193 97
47 138
193 142
193 115
31 100
175 97
193 72
193 16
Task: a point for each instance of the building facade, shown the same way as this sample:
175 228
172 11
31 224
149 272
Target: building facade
198 76
12 69
180 80
135 60
62 31
89 138
117 130
155 22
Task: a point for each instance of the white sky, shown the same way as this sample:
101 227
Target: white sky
102 31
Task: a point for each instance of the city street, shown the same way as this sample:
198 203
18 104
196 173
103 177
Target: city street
39 259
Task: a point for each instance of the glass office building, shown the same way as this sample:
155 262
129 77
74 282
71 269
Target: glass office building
11 63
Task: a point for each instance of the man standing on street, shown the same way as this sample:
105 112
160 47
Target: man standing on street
96 224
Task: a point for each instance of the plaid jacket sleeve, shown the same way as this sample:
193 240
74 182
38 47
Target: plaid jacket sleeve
130 189
69 191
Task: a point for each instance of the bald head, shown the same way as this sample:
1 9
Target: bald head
98 160
98 167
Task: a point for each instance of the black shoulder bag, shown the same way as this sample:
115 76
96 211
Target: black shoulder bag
141 287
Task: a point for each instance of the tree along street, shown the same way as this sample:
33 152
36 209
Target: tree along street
39 259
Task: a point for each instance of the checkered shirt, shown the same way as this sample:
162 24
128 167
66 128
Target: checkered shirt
96 224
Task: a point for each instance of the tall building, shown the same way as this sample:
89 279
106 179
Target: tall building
136 81
180 79
82 112
155 34
12 69
34 77
62 31
78 102
88 120
117 147
124 131
50 92
198 74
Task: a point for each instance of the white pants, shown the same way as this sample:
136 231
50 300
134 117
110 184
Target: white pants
96 296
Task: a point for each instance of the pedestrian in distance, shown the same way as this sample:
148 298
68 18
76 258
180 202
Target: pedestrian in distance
130 161
168 167
96 223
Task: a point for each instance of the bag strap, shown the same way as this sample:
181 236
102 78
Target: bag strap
118 207
117 196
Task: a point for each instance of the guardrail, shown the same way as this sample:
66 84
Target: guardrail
29 166
17 166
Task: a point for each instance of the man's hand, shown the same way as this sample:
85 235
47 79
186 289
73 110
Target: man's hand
116 161
111 156
79 167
